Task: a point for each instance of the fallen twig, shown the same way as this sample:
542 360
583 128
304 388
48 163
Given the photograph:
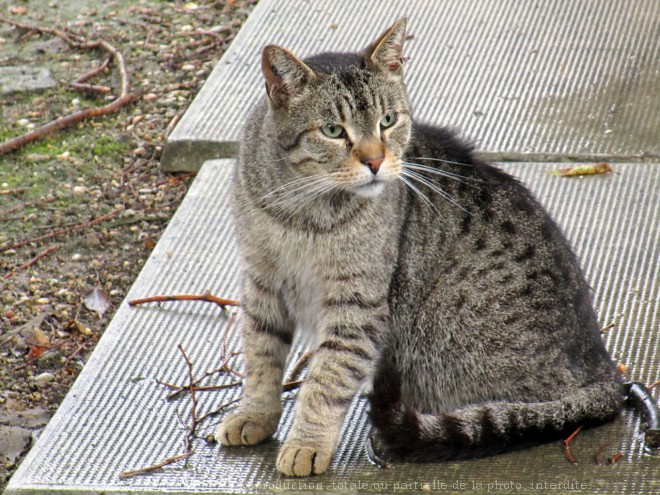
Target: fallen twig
298 367
607 328
7 192
652 386
198 388
154 467
193 399
78 42
600 451
190 433
80 83
223 303
8 211
61 232
28 264
175 178
567 449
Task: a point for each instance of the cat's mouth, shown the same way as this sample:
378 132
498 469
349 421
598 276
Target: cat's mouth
372 188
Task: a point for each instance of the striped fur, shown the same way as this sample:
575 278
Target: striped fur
409 260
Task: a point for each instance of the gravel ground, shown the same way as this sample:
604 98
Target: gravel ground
85 206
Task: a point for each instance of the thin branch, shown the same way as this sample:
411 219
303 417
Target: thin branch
193 409
567 449
24 266
155 467
190 434
600 451
223 303
300 365
77 42
7 192
607 328
61 232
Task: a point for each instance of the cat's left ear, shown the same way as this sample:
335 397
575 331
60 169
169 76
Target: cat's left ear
285 74
386 53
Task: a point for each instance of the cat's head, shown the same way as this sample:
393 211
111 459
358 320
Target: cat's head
342 117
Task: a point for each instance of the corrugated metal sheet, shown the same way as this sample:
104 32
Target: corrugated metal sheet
116 417
558 77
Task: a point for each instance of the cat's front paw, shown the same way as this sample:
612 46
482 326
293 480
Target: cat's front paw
297 460
243 428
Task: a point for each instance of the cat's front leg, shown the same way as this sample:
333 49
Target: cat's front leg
340 365
267 334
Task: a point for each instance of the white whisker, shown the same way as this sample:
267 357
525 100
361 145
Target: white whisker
434 187
305 191
444 173
421 195
440 160
300 182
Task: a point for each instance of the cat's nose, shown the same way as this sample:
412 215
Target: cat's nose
373 163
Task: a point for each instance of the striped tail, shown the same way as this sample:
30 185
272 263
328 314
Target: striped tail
483 429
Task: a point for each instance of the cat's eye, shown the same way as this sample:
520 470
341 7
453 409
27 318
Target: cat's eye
388 120
333 131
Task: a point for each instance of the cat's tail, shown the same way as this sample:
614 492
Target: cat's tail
483 429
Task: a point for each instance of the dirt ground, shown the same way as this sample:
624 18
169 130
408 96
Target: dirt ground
81 209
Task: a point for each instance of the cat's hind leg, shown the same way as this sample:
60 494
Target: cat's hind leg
489 428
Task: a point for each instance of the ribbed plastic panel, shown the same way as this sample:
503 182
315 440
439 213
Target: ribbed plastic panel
558 77
116 417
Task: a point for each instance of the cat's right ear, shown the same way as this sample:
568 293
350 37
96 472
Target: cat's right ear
285 75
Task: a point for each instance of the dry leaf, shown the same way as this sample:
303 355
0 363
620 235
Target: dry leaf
97 300
36 351
36 337
596 168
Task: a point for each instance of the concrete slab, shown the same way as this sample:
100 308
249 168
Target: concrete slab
25 78
576 79
116 416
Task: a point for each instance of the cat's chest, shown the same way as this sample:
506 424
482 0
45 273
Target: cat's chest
299 269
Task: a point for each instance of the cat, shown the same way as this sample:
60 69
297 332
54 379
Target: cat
420 269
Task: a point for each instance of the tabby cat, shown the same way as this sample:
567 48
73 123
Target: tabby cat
420 269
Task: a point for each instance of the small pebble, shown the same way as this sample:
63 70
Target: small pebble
44 378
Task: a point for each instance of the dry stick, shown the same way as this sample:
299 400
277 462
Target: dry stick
190 434
42 254
606 328
175 178
79 84
193 410
155 467
186 297
57 233
567 449
223 367
7 192
87 113
298 367
13 209
600 451
652 386
198 388
615 458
